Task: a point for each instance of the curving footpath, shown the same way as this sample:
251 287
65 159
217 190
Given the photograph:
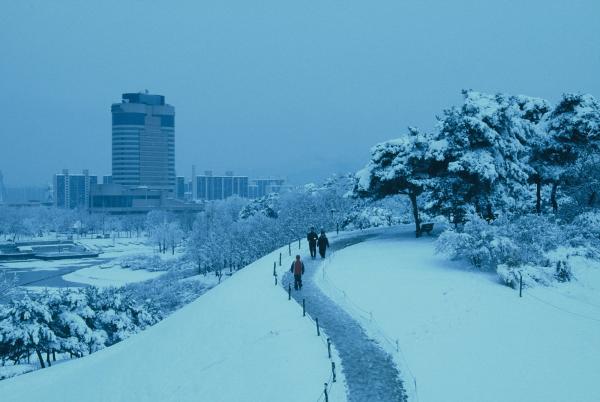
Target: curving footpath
370 372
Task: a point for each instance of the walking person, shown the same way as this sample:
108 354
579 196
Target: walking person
323 243
298 270
312 238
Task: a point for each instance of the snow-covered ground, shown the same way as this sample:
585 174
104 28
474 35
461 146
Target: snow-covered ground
121 247
102 271
110 276
464 336
241 341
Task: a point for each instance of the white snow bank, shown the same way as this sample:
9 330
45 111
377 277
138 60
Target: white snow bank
113 276
465 336
241 341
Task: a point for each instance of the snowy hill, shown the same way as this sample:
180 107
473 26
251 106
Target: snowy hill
241 341
464 336
455 334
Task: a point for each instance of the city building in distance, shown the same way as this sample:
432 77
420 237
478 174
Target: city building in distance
2 189
143 160
261 187
73 190
180 187
25 196
210 187
143 168
143 142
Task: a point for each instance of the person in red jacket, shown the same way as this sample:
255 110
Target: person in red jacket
298 270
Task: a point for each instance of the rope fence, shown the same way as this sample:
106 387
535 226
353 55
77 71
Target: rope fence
368 321
286 285
558 308
562 309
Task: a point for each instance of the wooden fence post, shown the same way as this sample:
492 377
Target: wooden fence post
289 291
279 259
329 347
333 371
520 284
303 307
318 329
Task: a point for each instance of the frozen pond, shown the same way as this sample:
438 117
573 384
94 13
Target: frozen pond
32 273
104 270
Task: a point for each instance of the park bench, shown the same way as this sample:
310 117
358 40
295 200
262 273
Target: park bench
427 227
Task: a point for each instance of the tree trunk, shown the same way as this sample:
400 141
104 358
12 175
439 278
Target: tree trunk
415 209
53 355
39 355
538 196
48 358
592 199
553 197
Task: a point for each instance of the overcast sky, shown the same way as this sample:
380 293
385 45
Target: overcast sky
297 89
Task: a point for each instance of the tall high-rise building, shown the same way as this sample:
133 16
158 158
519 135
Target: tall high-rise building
73 190
143 141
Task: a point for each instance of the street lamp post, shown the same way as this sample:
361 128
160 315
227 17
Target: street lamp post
337 226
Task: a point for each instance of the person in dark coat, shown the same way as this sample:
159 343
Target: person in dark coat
312 238
323 244
298 270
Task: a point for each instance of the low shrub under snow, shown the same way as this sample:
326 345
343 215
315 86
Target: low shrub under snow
523 246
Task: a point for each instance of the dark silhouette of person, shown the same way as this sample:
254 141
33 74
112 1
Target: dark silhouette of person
323 244
298 270
312 238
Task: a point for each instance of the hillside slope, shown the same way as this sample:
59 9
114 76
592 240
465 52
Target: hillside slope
241 341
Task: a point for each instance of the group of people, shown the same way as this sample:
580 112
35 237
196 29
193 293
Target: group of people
314 241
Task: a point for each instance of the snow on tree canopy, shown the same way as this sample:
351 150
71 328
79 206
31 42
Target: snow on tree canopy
576 115
393 161
486 153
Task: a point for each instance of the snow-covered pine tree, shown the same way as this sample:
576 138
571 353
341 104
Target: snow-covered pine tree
486 154
25 327
573 136
74 324
526 113
400 166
